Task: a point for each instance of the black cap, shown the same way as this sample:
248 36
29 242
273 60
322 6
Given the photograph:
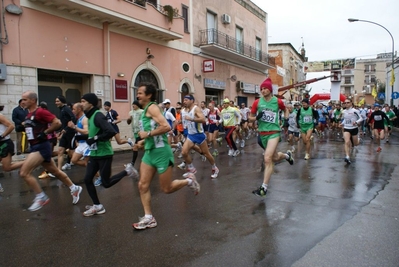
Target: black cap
91 98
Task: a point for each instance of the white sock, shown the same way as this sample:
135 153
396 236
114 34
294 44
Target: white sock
264 186
148 216
189 181
41 195
72 187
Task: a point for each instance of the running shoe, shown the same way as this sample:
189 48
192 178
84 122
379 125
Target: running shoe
92 210
215 172
231 152
379 149
182 166
1 189
66 166
203 158
235 153
131 171
260 192
180 155
145 223
347 160
192 151
38 203
195 186
292 149
76 194
307 156
192 170
215 153
371 137
51 175
387 141
290 158
43 175
130 142
98 181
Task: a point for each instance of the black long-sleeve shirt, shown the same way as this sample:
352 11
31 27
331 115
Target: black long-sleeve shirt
66 116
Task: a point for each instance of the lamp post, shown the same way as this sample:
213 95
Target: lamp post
393 52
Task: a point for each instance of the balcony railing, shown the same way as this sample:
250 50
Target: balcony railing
143 3
215 37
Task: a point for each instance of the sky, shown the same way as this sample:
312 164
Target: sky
326 32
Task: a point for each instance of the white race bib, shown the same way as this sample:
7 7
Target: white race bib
29 133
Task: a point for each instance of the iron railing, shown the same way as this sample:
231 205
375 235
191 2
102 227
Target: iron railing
215 37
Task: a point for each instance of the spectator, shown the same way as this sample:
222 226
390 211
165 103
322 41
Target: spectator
18 116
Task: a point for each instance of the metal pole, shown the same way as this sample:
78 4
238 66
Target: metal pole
393 53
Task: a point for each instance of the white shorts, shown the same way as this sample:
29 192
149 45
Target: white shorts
83 149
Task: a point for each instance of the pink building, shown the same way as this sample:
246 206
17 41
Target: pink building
212 49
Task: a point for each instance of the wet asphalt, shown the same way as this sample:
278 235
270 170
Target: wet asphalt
308 218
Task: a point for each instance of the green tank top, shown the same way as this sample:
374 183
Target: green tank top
306 117
270 119
148 124
100 148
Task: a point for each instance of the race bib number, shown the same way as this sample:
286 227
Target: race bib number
307 119
29 133
269 116
377 117
348 122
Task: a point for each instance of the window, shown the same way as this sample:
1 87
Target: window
212 27
369 68
348 80
347 90
258 47
185 17
239 40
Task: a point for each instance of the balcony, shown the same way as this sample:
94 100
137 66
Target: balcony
369 71
137 17
223 46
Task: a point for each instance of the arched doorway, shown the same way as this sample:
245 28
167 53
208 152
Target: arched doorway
184 91
148 77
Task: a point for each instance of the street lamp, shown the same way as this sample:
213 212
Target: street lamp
393 51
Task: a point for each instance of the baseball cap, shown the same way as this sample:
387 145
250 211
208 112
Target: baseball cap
166 101
226 100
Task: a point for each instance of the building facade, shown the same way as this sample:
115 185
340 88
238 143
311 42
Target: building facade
64 47
358 83
289 68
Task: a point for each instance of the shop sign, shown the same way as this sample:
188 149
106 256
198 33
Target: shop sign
215 84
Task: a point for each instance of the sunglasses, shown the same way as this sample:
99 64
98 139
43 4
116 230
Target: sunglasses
347 102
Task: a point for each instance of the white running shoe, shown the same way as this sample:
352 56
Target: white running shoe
231 151
92 210
66 166
215 173
195 186
182 165
76 194
131 171
38 203
235 153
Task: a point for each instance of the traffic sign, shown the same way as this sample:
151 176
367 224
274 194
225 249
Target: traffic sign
395 95
381 95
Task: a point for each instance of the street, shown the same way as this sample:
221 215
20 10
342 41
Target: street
225 225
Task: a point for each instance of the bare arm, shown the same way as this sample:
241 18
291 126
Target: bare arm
154 112
8 124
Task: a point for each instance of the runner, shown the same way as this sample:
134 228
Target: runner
293 131
214 117
81 128
389 124
244 122
6 145
157 157
230 117
351 119
36 128
265 111
101 153
305 120
196 136
113 119
377 119
134 120
66 133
